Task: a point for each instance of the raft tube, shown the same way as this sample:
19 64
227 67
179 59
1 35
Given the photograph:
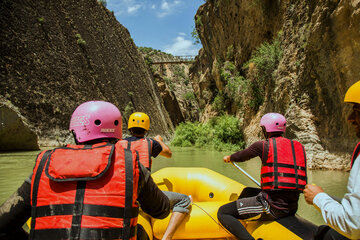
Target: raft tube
209 190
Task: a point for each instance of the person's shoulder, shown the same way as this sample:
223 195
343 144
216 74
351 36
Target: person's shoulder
295 141
153 141
132 138
258 143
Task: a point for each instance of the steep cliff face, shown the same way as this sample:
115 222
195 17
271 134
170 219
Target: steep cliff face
171 75
177 92
58 54
319 60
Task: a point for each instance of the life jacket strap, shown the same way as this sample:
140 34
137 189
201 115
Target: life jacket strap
275 164
355 154
150 152
36 189
129 183
295 165
88 210
283 184
283 165
279 174
85 233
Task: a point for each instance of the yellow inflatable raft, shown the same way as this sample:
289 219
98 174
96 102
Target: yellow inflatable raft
209 190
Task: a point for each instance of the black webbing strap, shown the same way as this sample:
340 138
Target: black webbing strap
276 180
295 165
150 152
88 210
305 162
129 182
36 189
283 184
355 154
280 174
284 165
77 211
86 233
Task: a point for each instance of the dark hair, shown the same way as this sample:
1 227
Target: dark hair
137 131
276 134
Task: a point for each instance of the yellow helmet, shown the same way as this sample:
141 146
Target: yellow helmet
353 93
140 120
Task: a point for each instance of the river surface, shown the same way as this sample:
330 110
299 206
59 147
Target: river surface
15 167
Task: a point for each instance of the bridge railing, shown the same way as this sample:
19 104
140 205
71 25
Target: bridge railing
174 59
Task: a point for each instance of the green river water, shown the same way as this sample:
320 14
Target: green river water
16 166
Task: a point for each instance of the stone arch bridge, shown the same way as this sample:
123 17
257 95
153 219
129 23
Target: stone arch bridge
174 59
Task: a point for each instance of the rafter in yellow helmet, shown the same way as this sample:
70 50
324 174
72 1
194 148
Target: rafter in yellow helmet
140 120
353 93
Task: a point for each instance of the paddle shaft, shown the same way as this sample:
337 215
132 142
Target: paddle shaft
246 174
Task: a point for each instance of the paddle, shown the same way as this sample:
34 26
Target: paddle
246 174
298 225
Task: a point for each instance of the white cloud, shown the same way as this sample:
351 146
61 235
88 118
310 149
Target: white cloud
165 6
129 7
168 7
181 46
133 8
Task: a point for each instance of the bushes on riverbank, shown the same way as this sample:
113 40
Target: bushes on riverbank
221 133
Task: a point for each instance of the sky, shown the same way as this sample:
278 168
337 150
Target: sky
164 25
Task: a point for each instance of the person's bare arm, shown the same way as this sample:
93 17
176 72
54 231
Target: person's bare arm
166 151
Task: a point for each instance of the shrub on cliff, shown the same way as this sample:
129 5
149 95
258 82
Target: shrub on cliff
265 59
221 133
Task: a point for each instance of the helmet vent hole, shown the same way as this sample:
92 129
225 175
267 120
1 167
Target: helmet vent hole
97 122
116 122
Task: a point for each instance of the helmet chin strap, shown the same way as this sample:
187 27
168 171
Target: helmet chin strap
266 134
74 135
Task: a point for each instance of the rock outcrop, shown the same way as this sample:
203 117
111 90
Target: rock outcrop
176 92
171 75
58 54
15 132
319 61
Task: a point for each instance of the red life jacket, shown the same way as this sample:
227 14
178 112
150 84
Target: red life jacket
144 147
85 192
355 154
285 166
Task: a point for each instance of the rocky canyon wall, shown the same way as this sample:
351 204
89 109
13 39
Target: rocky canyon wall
58 54
319 42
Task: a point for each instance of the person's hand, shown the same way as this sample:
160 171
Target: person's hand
227 159
310 191
158 138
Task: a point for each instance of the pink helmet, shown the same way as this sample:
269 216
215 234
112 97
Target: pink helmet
273 122
96 119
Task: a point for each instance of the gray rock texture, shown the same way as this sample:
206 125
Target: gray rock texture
56 55
320 60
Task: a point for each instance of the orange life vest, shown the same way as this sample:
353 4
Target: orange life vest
144 147
355 154
285 166
85 192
